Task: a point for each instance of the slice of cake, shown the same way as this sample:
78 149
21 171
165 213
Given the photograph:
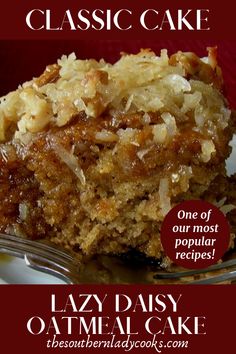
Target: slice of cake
94 155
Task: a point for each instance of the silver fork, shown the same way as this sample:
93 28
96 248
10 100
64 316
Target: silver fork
107 269
218 273
41 257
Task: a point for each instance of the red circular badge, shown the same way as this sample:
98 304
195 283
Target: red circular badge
195 234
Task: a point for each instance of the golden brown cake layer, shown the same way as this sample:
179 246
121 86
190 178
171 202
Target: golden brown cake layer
94 155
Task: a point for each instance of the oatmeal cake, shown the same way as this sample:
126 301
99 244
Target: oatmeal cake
94 155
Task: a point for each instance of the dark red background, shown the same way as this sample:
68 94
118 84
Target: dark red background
19 303
22 56
28 52
21 60
13 13
169 237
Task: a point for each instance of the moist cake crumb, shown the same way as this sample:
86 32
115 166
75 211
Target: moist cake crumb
94 155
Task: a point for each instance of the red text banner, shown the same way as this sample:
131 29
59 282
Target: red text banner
136 319
50 19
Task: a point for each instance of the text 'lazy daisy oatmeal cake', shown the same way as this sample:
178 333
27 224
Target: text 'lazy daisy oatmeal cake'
94 155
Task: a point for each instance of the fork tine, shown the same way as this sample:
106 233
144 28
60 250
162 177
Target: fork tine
61 264
217 278
15 244
224 265
42 257
49 267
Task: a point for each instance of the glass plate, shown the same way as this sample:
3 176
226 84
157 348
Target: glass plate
13 270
